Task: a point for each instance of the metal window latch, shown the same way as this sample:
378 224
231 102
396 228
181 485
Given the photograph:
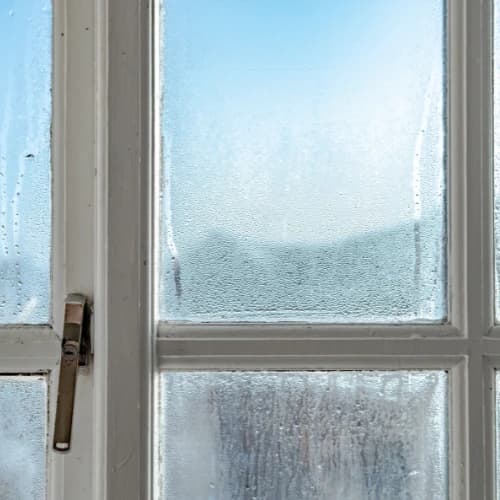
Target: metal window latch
75 352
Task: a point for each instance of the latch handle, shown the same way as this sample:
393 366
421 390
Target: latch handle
75 352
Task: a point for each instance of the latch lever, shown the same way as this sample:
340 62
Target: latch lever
75 352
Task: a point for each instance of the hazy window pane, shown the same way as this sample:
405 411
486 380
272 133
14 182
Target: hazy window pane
303 161
496 94
304 436
497 383
25 115
23 415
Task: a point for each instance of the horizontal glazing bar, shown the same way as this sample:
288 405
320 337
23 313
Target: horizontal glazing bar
301 330
28 349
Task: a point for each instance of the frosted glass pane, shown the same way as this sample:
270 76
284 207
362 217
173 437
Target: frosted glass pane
496 146
497 384
304 436
23 416
25 116
303 167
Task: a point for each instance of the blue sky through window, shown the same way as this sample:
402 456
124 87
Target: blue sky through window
305 123
25 120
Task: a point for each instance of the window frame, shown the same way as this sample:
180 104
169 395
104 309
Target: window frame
467 346
35 349
104 146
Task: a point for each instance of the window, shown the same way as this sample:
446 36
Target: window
24 218
325 222
295 304
47 141
377 434
298 185
287 180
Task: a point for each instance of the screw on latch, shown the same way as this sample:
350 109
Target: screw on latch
70 352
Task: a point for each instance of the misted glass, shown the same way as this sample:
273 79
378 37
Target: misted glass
304 435
497 384
25 187
23 433
303 161
496 147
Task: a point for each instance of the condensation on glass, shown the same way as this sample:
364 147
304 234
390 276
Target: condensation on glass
303 161
353 435
25 119
497 385
496 147
23 430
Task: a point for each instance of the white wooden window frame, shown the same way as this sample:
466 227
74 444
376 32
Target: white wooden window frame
36 349
105 157
29 349
467 346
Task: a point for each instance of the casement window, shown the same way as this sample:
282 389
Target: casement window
284 217
49 131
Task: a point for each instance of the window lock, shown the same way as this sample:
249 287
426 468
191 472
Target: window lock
75 352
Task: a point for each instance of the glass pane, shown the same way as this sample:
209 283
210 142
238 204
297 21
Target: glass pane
25 117
496 146
303 161
497 385
23 415
304 436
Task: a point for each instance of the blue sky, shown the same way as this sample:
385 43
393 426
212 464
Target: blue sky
25 116
299 122
293 120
